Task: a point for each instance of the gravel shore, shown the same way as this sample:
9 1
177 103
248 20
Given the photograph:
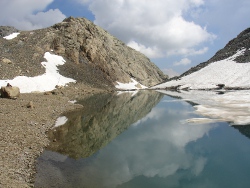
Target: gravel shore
23 130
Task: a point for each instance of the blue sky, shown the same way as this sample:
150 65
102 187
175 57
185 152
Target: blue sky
174 34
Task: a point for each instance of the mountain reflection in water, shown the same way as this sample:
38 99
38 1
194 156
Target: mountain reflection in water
103 117
157 150
243 129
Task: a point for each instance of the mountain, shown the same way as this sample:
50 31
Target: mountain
229 68
90 55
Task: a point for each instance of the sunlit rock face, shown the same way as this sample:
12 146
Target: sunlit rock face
92 55
85 43
103 118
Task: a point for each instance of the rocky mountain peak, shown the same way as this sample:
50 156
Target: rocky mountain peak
242 41
82 42
92 55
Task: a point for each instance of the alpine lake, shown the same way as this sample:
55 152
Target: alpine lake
143 140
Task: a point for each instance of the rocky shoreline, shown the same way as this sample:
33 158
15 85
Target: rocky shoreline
24 129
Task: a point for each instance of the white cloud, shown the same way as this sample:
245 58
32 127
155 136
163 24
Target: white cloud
156 147
158 27
170 72
184 61
83 1
188 51
152 52
28 14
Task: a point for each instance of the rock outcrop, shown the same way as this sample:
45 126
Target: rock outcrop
7 30
92 55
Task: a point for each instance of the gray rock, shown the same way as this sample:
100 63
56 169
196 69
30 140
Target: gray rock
5 60
10 92
240 42
7 30
93 56
82 42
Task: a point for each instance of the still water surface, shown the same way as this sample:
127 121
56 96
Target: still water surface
143 141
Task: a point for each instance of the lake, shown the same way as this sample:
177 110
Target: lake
144 140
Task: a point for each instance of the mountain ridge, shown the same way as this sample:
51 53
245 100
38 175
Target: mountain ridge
93 56
212 73
241 41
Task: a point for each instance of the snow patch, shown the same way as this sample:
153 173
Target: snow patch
227 72
11 36
42 83
201 120
232 106
73 102
133 93
61 121
131 85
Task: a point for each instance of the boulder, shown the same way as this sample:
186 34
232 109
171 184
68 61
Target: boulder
220 86
7 30
9 91
30 105
5 60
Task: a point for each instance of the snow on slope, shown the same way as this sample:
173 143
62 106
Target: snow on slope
51 78
232 106
41 83
61 121
226 72
11 36
131 85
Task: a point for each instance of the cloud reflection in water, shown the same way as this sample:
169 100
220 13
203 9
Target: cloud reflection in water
154 146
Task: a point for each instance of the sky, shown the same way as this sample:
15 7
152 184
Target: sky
175 34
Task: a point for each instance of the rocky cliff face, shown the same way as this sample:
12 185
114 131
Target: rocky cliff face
92 55
242 41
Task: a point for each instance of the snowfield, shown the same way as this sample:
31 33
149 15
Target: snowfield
11 36
42 83
129 86
60 121
226 71
229 106
232 106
